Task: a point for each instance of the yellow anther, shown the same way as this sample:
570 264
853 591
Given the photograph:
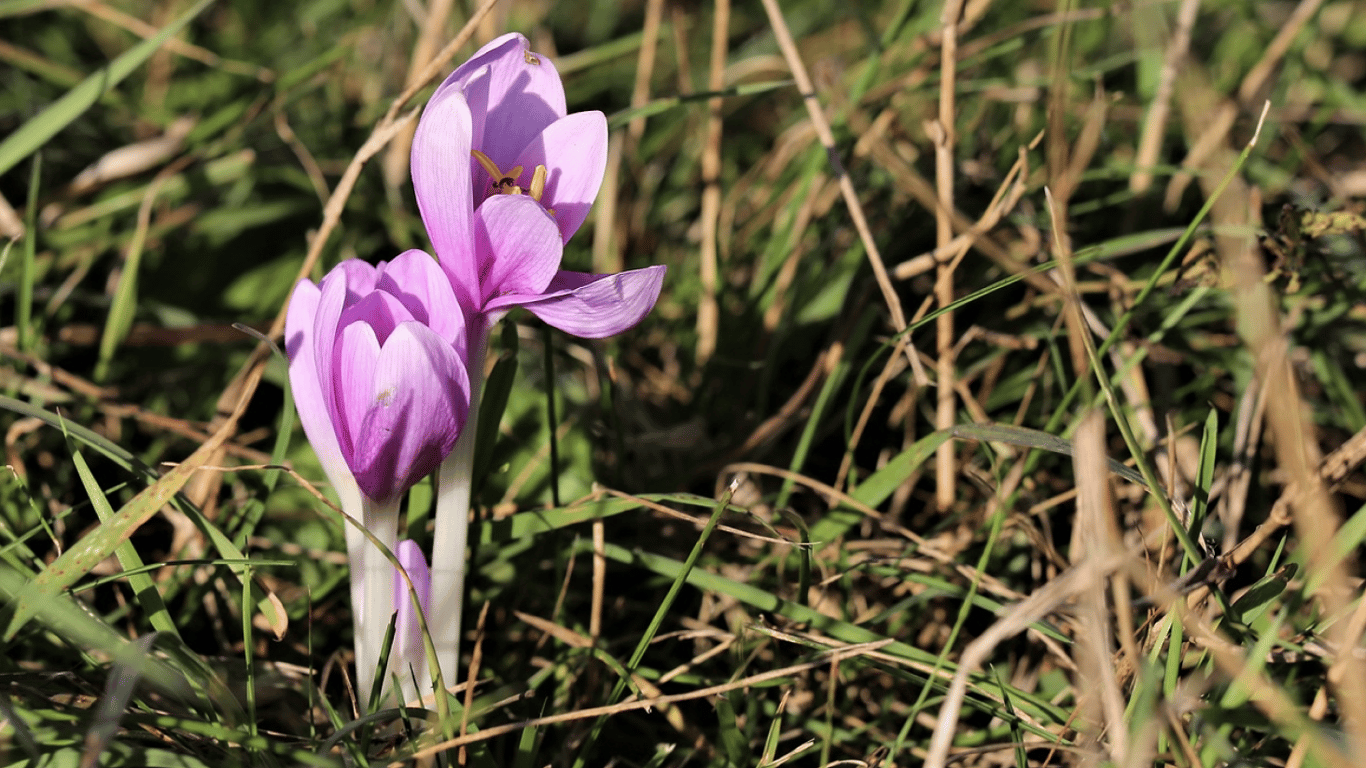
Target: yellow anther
501 183
537 183
531 58
487 163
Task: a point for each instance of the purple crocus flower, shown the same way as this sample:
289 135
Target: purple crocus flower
503 179
378 370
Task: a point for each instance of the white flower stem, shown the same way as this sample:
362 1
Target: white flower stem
352 503
381 519
454 481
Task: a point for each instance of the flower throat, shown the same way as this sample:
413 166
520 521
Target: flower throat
506 183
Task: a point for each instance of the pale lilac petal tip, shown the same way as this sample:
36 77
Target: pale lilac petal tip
415 279
513 94
440 169
574 151
597 306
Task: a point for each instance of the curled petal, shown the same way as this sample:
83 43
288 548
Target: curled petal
441 179
594 306
353 369
380 310
418 402
519 246
415 279
574 151
304 381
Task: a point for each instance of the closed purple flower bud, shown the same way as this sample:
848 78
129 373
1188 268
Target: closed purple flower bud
377 366
408 644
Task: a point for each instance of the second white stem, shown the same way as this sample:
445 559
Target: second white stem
381 519
454 482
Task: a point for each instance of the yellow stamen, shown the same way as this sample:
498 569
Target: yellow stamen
538 183
487 163
506 183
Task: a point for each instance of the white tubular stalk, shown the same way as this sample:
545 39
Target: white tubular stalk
381 519
351 502
454 481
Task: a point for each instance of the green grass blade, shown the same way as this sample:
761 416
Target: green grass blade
129 559
58 115
24 319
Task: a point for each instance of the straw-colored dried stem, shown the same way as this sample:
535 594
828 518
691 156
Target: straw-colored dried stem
607 239
708 309
472 676
431 28
306 159
1096 534
1155 122
645 67
942 134
599 580
813 109
1291 429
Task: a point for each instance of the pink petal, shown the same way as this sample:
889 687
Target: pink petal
379 310
519 246
416 280
441 179
513 95
336 293
353 369
305 384
574 151
595 306
418 402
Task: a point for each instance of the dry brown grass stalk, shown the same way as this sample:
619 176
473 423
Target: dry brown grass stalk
783 35
941 133
1155 122
647 704
1096 535
1291 429
708 310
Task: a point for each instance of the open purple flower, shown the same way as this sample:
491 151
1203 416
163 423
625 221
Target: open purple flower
377 366
503 179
